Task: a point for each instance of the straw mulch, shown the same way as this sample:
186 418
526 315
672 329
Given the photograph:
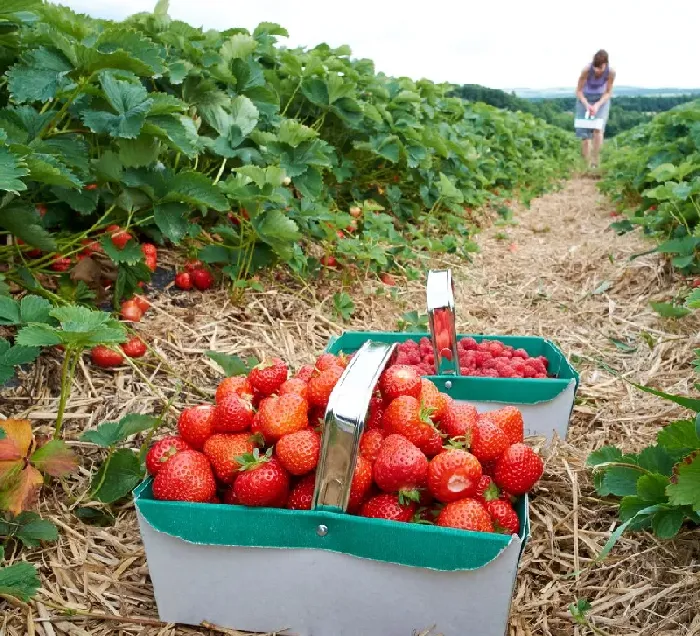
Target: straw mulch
557 271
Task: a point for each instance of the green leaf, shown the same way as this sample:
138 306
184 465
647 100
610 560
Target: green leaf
196 189
178 131
244 114
656 459
172 220
684 489
343 305
683 246
293 132
38 336
52 171
448 190
316 91
652 488
130 103
278 231
39 77
649 510
19 355
667 523
20 581
240 45
619 481
12 168
9 311
693 300
111 433
232 365
604 455
131 254
22 221
663 172
669 310
117 477
83 201
623 346
689 403
135 44
29 528
142 151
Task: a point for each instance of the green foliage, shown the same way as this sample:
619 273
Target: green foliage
19 580
28 528
232 365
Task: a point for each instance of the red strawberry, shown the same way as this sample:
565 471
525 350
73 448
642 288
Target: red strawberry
268 377
321 386
91 247
119 237
386 506
302 494
150 254
361 483
405 417
433 445
135 347
465 514
282 415
488 441
437 403
186 476
103 357
192 265
295 385
459 420
195 425
162 451
305 373
387 279
518 469
376 411
326 361
485 488
328 261
230 497
142 303
235 385
503 516
399 466
298 452
400 380
60 264
232 414
183 280
370 443
510 420
202 279
262 482
130 311
454 474
223 451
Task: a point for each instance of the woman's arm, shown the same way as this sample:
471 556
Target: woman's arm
580 85
607 94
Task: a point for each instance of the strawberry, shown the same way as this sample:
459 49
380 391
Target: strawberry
41 209
488 441
142 303
298 452
328 261
400 466
361 484
195 425
432 446
103 357
230 497
458 420
376 410
321 386
91 247
326 361
454 474
465 514
186 476
262 482
405 417
305 373
431 399
235 385
518 469
130 311
510 420
223 451
268 377
192 265
295 385
485 488
370 443
302 494
400 380
134 347
90 186
386 506
183 280
282 415
202 279
355 211
150 254
60 264
162 451
387 279
503 516
119 237
232 414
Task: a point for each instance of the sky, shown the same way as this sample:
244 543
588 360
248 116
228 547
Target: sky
498 43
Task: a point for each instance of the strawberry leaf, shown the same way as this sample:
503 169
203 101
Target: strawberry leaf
38 336
196 189
18 490
667 523
343 305
117 477
19 580
684 489
22 221
54 458
172 220
131 254
681 435
111 433
619 481
12 169
39 76
17 440
9 311
669 310
29 528
34 309
232 365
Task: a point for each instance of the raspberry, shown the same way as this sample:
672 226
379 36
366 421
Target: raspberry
481 357
468 344
520 353
490 373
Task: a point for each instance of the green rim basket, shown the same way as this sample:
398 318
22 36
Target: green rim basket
324 571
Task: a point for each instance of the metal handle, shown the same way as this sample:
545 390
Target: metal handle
343 425
441 315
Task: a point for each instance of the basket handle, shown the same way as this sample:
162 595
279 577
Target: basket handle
441 316
344 422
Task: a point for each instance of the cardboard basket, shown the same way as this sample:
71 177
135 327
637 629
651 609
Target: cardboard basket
546 403
323 572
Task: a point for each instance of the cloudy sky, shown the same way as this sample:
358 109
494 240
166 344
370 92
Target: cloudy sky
498 43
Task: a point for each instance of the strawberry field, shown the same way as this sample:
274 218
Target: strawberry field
188 218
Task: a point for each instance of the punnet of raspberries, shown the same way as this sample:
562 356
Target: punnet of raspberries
423 458
487 359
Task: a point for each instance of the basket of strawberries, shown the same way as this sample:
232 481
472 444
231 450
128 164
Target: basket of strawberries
316 502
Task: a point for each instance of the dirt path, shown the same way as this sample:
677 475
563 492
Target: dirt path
557 272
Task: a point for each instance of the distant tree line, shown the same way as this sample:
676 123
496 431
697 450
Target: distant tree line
625 113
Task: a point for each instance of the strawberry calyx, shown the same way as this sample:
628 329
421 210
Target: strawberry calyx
461 442
492 492
250 461
408 495
426 413
258 439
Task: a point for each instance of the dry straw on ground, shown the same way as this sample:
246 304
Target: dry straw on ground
557 272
